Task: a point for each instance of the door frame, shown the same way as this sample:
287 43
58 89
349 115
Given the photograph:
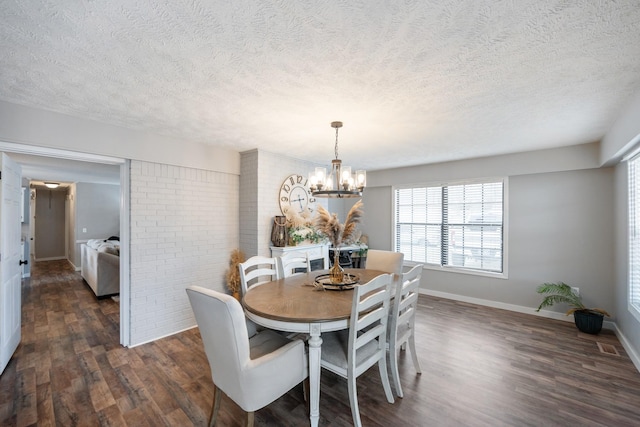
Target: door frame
125 202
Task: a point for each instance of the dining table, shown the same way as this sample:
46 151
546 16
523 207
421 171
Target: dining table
298 304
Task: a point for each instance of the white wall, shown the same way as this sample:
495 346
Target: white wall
560 227
184 224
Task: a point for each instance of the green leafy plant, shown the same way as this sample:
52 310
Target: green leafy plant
558 293
300 227
300 234
362 252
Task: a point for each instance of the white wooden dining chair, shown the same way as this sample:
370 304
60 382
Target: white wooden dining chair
387 261
291 263
349 353
253 372
257 270
402 327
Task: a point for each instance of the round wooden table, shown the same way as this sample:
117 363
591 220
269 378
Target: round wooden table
294 305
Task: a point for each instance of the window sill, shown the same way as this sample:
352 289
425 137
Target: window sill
462 270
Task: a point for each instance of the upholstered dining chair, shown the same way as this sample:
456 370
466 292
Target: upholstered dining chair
290 263
387 261
257 270
349 353
253 372
402 318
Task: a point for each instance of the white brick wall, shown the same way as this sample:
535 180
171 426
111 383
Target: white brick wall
261 174
184 224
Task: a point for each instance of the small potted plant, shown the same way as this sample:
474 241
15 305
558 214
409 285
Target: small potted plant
588 320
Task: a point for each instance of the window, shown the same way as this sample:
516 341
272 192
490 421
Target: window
458 226
634 236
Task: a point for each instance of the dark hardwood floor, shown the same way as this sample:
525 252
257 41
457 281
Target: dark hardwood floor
481 367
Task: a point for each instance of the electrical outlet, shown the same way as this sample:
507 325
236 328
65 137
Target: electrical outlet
84 230
575 290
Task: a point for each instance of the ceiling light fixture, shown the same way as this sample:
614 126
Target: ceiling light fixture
51 184
339 183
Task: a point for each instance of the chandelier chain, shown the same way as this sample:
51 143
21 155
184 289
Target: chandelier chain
336 147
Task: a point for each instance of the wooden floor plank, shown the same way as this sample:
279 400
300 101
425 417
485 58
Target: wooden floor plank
46 415
481 367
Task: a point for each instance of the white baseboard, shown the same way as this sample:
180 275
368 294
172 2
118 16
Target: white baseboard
501 305
163 336
633 355
54 258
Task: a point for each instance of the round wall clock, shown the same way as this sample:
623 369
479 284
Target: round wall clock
295 194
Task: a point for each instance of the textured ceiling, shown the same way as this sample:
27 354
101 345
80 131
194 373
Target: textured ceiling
413 81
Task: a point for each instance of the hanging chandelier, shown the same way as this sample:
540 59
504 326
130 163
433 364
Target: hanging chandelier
339 183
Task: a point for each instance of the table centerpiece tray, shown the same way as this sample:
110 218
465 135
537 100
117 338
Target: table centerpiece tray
348 282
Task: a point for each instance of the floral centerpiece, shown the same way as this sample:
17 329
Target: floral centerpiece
300 226
338 234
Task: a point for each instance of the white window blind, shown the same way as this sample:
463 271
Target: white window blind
634 237
452 225
419 224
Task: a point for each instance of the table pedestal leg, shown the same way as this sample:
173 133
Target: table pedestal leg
314 374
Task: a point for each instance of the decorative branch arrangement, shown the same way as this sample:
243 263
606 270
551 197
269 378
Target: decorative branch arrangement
233 274
297 219
329 225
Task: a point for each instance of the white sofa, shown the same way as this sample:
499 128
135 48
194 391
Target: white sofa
101 266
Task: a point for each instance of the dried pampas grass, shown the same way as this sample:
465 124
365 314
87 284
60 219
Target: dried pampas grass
329 225
298 220
351 223
233 274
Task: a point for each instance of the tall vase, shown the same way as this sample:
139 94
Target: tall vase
336 274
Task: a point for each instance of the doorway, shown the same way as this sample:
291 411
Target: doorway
49 219
41 161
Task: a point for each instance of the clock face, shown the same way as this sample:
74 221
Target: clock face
295 194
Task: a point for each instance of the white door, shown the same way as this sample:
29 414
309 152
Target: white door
10 257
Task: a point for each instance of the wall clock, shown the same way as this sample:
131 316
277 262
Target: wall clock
295 194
